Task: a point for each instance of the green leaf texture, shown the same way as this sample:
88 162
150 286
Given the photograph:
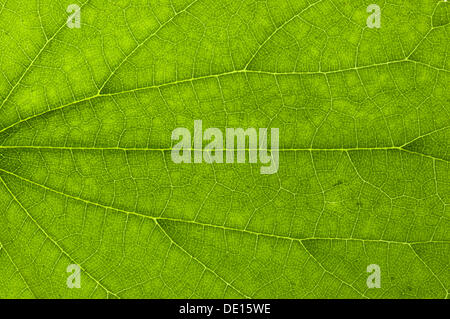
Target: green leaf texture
86 175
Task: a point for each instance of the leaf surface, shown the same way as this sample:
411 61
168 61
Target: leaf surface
86 176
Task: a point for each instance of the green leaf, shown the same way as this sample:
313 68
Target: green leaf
86 175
